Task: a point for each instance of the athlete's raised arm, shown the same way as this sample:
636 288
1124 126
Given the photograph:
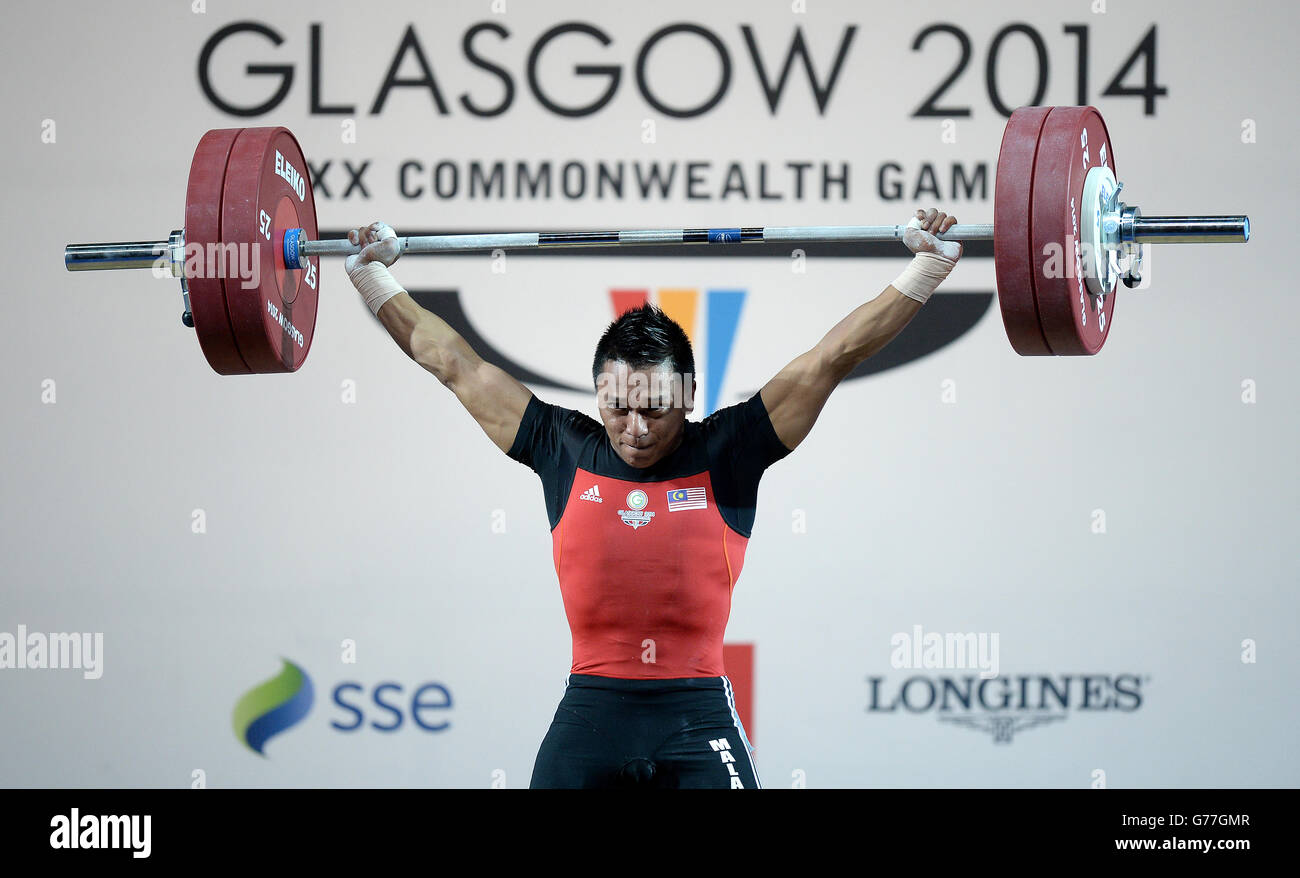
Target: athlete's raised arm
795 396
495 399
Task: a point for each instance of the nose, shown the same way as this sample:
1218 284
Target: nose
636 425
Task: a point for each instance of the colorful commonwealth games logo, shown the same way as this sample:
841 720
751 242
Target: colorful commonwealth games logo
945 319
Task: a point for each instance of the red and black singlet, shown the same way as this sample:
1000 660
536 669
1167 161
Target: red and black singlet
647 558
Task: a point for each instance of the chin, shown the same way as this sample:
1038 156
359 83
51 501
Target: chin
640 461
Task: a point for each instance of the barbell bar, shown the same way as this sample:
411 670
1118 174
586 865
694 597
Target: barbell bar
1059 233
1144 230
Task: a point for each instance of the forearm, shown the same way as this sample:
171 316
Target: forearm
867 329
422 335
795 396
425 337
495 399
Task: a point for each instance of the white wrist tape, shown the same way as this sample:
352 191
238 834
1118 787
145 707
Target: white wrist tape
923 274
375 283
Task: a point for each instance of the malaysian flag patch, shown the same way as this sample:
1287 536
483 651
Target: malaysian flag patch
687 498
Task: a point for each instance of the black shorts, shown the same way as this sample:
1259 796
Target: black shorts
666 734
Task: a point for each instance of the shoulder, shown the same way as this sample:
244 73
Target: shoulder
573 421
749 413
548 413
744 428
545 428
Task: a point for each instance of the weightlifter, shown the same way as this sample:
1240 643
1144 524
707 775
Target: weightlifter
650 513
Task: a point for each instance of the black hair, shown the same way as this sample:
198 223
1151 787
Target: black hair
643 338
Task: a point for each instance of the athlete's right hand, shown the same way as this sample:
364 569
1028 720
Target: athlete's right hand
920 234
368 270
379 244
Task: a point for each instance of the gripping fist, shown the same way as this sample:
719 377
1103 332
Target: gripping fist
378 242
920 234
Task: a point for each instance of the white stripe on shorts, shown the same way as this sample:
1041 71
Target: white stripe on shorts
749 749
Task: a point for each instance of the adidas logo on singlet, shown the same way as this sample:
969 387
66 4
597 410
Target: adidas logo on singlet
592 494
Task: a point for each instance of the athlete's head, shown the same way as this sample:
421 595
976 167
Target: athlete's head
644 373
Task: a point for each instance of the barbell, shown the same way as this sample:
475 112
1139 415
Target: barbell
248 258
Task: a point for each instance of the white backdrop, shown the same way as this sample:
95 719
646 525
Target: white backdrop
1128 516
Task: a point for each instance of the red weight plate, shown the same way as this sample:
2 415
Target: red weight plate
1074 321
1012 257
267 190
202 239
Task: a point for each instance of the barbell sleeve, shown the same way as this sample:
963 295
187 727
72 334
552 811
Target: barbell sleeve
1191 230
123 254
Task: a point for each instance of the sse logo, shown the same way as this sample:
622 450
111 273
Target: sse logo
272 707
280 703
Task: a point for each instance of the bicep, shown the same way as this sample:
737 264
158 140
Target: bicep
795 395
494 398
